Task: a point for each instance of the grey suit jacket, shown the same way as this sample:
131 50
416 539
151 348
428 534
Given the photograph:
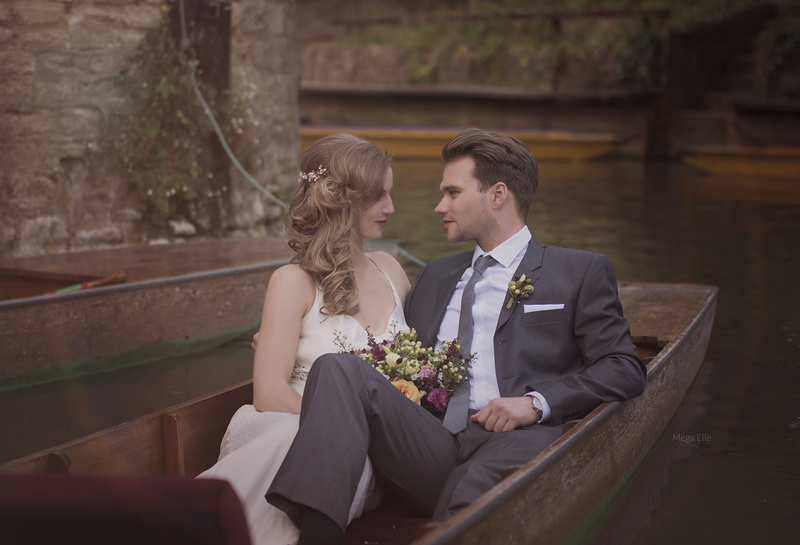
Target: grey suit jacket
576 357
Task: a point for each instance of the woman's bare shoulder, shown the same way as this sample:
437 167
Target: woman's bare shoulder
291 273
294 281
393 270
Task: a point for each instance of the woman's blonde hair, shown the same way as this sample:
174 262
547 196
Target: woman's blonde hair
341 175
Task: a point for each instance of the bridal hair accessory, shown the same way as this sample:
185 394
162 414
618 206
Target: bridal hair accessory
519 288
312 176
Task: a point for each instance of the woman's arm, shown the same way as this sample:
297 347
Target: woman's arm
290 295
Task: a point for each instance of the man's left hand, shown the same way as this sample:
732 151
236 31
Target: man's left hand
506 414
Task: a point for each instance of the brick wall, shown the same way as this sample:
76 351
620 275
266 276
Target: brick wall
59 60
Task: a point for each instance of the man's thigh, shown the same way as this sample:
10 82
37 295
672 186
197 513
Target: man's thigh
485 456
409 448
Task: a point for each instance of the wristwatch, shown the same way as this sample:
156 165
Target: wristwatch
537 406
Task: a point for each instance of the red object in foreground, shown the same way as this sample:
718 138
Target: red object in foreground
36 508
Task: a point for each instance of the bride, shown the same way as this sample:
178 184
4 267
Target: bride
332 285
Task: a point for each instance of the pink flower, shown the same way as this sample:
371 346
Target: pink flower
425 371
438 398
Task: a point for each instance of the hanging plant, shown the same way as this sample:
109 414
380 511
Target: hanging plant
165 150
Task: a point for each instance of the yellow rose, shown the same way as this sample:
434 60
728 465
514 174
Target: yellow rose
409 389
391 359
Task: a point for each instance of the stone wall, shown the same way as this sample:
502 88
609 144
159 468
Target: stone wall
59 60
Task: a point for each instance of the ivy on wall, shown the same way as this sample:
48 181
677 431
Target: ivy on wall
627 51
166 149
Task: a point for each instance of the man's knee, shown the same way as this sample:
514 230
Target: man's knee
464 485
346 364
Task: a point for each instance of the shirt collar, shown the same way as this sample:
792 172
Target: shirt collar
509 249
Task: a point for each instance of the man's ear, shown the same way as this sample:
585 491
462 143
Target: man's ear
499 195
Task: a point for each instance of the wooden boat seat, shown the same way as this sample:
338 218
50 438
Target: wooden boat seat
41 508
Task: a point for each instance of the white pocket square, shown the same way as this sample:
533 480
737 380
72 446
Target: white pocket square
540 308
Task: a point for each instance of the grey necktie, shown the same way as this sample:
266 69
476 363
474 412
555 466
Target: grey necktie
455 418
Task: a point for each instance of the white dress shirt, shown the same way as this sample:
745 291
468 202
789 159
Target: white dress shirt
491 293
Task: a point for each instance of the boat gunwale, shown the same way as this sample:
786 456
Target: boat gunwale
142 284
502 493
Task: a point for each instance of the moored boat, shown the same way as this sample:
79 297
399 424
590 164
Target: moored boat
427 143
164 305
540 502
744 161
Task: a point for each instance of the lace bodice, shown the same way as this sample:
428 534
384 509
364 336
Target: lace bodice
317 335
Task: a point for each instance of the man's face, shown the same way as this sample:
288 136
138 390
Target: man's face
465 210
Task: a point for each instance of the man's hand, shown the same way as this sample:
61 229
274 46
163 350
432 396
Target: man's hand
506 414
255 342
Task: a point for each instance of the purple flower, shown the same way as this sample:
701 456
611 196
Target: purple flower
438 398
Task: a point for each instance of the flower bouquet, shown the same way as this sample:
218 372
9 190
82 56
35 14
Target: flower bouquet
424 375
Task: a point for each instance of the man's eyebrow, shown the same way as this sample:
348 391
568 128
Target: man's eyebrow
447 188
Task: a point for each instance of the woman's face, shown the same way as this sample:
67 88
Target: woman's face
373 217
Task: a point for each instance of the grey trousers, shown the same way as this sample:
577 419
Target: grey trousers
350 411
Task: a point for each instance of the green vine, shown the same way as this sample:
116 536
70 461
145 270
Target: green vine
165 150
499 48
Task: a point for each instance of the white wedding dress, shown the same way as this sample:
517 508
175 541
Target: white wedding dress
256 443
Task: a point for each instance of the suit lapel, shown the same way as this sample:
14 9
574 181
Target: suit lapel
529 266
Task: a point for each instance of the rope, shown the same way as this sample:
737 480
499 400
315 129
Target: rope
192 68
191 73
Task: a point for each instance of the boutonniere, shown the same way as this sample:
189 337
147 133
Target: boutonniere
519 288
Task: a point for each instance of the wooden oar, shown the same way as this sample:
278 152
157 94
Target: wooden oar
117 277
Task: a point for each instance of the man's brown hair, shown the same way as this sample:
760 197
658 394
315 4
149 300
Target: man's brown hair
498 158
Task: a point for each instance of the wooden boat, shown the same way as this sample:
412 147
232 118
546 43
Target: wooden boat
670 324
427 143
163 307
742 161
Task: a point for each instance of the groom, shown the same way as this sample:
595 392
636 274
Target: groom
539 362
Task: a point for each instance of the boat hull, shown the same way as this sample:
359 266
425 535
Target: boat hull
579 469
164 311
771 162
671 326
